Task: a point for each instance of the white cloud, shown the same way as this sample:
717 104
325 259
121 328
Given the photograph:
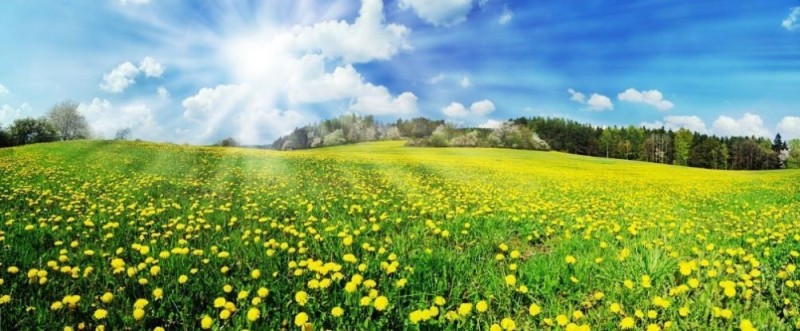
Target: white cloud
151 67
346 83
481 108
455 109
651 97
124 75
379 102
747 125
8 113
789 127
439 12
491 124
288 67
134 2
163 93
691 123
577 96
105 119
506 16
792 22
598 102
237 111
465 83
3 90
436 79
119 78
367 39
478 108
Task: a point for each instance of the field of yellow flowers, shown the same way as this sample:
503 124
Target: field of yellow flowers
139 236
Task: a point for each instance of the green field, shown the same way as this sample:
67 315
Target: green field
145 236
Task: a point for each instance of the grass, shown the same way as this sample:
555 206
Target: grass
420 223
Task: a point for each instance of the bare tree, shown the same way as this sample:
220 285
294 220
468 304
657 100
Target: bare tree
68 122
123 134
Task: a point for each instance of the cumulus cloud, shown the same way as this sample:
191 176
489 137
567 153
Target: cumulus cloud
367 39
478 108
598 102
8 113
506 16
378 101
491 124
124 75
748 125
792 22
576 96
3 90
440 12
289 68
163 93
691 123
151 68
119 78
455 109
650 97
105 119
481 108
237 111
789 127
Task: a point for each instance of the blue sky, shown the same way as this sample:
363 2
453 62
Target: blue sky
198 71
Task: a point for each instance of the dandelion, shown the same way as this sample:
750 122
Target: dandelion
206 322
508 324
627 323
301 319
138 313
337 311
100 314
482 306
381 303
253 314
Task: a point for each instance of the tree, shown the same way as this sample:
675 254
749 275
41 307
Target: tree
69 124
123 134
5 138
30 131
606 139
228 142
683 142
778 146
794 154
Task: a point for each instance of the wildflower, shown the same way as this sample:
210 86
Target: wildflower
482 306
206 322
253 314
138 313
300 319
381 303
627 323
508 324
100 314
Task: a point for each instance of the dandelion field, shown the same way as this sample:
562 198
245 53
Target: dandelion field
140 236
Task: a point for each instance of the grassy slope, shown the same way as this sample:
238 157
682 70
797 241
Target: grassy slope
547 205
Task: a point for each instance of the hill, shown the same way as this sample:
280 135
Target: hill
374 236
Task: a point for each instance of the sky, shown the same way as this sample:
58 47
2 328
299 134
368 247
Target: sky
198 71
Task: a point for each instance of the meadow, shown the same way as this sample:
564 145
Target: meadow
138 236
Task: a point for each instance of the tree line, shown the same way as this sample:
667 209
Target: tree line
61 123
660 145
418 131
